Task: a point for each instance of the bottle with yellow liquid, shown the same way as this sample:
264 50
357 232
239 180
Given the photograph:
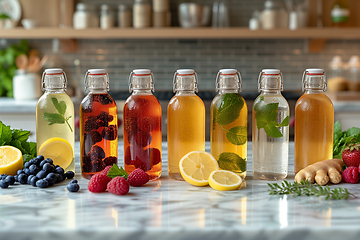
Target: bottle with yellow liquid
185 120
314 121
270 136
55 135
229 123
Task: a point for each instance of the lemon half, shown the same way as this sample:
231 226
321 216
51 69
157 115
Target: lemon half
196 166
11 160
223 180
59 150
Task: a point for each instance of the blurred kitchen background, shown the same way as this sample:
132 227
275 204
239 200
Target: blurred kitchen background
119 56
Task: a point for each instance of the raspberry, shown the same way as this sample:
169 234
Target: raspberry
105 117
118 186
96 153
101 123
110 132
106 170
145 124
351 175
137 178
95 136
90 124
109 161
98 183
141 139
86 163
130 125
104 99
138 163
132 152
154 155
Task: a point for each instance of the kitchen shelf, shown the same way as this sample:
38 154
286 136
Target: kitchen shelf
181 33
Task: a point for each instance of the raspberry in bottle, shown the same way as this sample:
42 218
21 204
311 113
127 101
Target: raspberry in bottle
142 125
185 120
98 125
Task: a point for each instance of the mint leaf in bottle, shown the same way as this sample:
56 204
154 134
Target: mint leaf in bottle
232 162
237 135
229 109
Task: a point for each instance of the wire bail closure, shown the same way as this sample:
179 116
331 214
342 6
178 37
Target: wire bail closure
195 83
43 80
107 87
217 82
152 80
307 73
279 74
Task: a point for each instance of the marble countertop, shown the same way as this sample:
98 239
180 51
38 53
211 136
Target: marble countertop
169 209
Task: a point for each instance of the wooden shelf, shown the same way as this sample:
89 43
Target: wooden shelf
181 33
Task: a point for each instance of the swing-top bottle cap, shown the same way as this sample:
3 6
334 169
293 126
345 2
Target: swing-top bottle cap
314 71
97 71
53 78
271 71
185 71
51 71
141 72
228 71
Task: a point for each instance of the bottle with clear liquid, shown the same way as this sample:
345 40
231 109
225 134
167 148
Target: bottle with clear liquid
314 121
229 113
55 120
270 128
142 125
185 120
98 125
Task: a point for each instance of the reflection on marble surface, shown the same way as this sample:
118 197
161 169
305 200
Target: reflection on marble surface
168 209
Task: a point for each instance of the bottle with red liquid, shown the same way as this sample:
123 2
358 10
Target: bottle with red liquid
98 125
142 125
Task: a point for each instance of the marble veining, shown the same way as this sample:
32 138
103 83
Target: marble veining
169 209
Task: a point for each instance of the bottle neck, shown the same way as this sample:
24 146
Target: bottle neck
185 83
54 90
314 91
223 91
142 91
185 92
314 84
270 92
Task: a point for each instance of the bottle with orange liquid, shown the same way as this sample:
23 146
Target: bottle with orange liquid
142 125
185 120
314 121
229 123
98 125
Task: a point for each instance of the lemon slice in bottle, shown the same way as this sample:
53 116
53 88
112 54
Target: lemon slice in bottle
223 180
59 150
11 160
196 166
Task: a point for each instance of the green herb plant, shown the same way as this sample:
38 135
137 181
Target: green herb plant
226 111
59 117
17 138
265 115
8 67
4 16
305 188
342 138
115 171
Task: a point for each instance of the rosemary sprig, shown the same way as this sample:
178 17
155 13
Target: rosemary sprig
305 188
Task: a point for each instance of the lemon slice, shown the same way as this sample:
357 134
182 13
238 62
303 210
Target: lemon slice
195 167
59 150
11 160
223 180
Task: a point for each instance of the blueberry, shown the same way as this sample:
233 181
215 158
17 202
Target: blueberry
74 181
70 174
29 178
49 160
59 178
59 170
33 181
4 184
3 176
51 178
40 157
32 161
19 172
26 165
16 178
10 179
56 166
42 163
42 183
34 169
41 174
23 178
73 187
48 168
37 161
27 171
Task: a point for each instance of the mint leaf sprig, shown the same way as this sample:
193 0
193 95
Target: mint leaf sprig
305 188
265 115
58 118
115 171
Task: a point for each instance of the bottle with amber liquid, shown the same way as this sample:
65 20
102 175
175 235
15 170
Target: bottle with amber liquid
142 125
185 121
98 125
314 121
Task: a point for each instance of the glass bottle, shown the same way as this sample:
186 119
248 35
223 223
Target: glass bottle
55 117
229 113
185 120
98 125
340 13
142 125
270 128
314 121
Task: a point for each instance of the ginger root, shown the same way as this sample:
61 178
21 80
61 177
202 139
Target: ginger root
322 172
